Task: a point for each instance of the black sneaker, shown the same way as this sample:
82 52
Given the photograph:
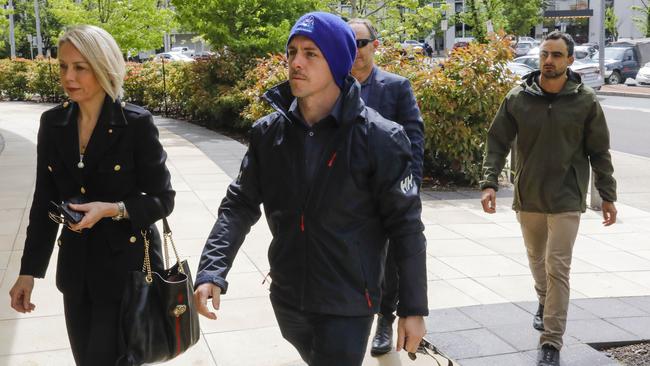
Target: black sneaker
382 343
548 356
538 320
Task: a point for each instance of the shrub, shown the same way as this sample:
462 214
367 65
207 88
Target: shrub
44 80
458 103
14 79
268 72
201 91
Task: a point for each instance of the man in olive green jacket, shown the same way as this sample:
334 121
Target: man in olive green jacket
560 129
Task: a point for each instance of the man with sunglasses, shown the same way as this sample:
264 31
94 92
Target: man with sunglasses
390 95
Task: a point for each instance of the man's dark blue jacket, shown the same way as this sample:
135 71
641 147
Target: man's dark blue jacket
392 96
329 240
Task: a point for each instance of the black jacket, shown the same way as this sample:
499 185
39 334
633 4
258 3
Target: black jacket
392 96
124 161
329 240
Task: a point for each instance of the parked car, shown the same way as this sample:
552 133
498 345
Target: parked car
528 39
624 59
184 50
204 55
531 61
461 42
589 73
520 70
582 52
643 76
522 48
412 45
173 56
587 69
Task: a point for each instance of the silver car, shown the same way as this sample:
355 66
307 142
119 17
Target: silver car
643 77
587 69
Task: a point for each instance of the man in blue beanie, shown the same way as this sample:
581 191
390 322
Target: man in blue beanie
336 182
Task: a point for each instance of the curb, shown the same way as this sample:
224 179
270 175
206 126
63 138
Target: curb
622 94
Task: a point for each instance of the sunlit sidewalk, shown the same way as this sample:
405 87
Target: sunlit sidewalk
473 258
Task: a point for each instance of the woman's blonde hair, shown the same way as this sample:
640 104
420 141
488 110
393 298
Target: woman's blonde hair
103 54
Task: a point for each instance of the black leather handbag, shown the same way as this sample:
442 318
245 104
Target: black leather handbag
158 320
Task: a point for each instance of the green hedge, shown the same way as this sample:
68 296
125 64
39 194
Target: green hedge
458 101
23 79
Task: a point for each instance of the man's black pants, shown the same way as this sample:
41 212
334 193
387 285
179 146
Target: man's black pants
322 339
389 287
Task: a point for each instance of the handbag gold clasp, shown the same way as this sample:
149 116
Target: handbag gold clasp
179 310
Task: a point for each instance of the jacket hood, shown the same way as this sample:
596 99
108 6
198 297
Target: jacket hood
530 83
280 98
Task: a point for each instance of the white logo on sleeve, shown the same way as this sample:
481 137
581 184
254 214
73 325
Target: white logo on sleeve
407 183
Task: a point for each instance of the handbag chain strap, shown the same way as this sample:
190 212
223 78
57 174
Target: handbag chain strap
167 236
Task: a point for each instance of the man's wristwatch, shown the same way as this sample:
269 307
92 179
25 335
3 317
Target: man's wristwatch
120 211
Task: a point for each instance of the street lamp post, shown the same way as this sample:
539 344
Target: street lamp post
595 201
12 36
39 39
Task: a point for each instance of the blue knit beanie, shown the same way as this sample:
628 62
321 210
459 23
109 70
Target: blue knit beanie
334 38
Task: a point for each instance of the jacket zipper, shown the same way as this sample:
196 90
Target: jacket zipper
305 244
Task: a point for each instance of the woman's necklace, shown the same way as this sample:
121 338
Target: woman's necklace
82 150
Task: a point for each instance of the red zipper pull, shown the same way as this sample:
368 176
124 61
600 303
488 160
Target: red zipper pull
368 299
302 222
331 161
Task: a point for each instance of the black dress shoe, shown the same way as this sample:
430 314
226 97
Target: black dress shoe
538 320
548 356
382 343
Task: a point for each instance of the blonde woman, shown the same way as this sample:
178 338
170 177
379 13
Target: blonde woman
105 155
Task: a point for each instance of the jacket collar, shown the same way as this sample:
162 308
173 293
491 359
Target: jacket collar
112 114
280 98
531 85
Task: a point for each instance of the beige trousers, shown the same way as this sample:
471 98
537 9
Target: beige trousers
549 240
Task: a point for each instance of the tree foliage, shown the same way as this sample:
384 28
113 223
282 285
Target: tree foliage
512 16
248 27
643 20
25 25
396 19
611 23
136 25
4 22
478 13
522 15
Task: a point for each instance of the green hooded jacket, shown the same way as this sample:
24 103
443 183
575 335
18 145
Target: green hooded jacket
556 141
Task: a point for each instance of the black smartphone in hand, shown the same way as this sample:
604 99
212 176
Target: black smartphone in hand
69 215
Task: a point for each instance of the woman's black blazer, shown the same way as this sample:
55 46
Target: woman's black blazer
124 161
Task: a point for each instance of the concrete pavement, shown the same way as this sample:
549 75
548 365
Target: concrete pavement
480 288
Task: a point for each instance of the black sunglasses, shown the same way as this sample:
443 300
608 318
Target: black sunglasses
361 43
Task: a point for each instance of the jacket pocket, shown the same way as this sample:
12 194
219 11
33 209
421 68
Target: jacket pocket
364 275
580 190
